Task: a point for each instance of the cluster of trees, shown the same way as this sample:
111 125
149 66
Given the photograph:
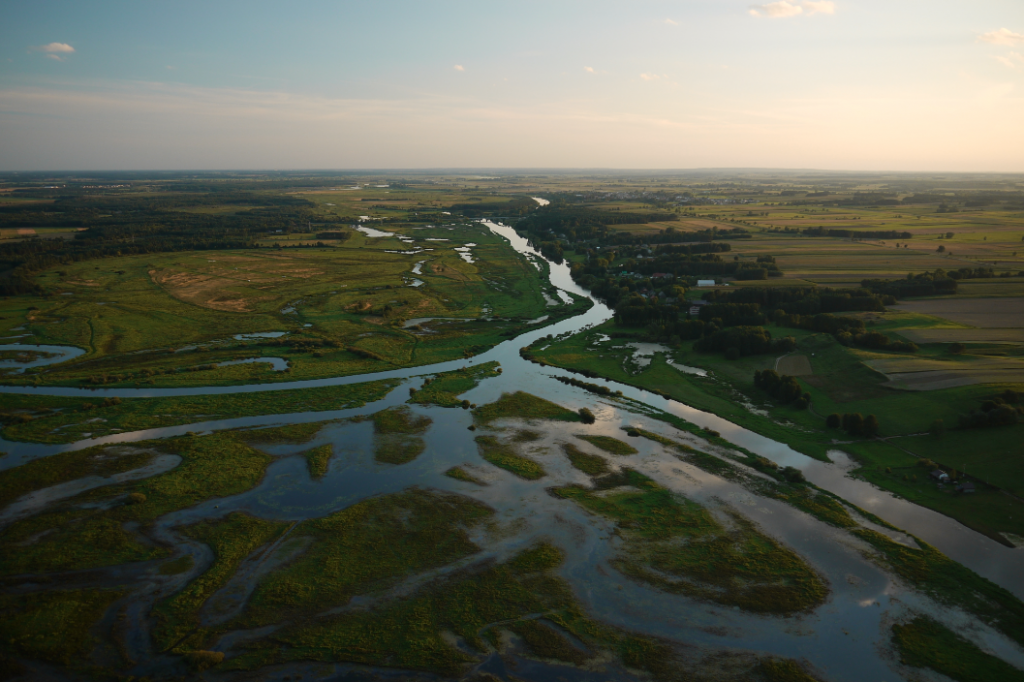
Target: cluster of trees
856 234
784 388
733 314
1002 410
129 225
518 206
737 342
822 322
922 284
804 300
876 341
854 424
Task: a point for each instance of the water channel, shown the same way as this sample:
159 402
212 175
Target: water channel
842 638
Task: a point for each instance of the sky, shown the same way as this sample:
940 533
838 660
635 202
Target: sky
915 85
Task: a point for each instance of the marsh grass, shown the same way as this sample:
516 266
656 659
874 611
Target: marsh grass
783 670
55 627
366 547
231 538
949 582
63 420
88 531
592 465
445 388
397 435
926 643
318 460
460 474
522 405
504 456
609 444
677 545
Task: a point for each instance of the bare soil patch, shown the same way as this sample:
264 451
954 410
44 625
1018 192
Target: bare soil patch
933 381
795 366
963 335
204 290
984 313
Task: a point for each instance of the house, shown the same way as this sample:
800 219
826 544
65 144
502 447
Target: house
965 487
662 275
940 476
705 282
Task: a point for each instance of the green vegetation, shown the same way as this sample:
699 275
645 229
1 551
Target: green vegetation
398 433
679 546
783 670
232 539
65 420
54 627
926 643
948 582
592 465
444 389
73 536
522 405
841 383
357 550
503 455
609 444
460 474
318 459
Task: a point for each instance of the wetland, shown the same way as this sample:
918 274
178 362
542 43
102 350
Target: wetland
468 496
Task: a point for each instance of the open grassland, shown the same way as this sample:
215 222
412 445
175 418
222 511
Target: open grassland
444 389
592 465
677 545
172 319
66 420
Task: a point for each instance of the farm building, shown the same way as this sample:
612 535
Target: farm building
705 282
940 476
965 487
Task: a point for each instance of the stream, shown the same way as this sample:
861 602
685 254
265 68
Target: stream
843 637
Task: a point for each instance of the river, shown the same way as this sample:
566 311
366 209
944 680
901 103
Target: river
846 630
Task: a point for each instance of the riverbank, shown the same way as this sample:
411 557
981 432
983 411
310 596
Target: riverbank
725 388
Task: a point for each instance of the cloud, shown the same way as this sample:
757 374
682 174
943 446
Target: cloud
777 10
1013 60
671 22
783 8
588 69
650 76
459 67
819 7
1003 36
54 50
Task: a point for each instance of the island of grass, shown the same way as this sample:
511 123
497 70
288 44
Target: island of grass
398 435
505 456
677 545
444 390
522 405
460 474
592 465
926 643
318 459
48 419
609 444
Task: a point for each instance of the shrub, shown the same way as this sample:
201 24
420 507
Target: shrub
833 421
586 416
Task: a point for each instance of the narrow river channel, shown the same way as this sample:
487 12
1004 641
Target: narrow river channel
847 629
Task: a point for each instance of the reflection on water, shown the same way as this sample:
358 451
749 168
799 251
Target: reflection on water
842 638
